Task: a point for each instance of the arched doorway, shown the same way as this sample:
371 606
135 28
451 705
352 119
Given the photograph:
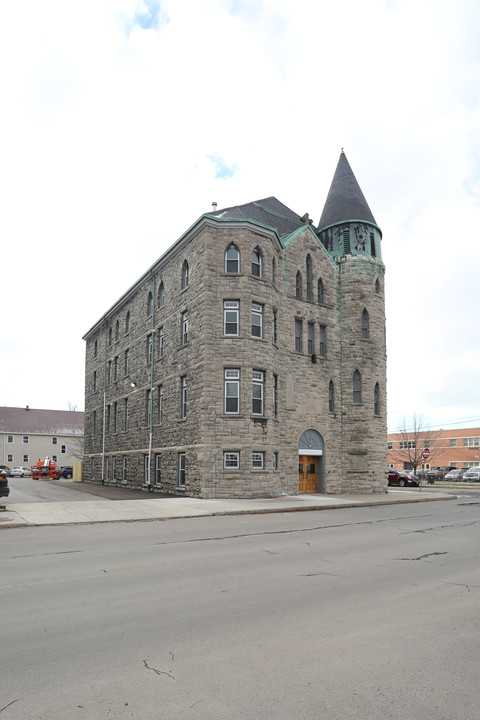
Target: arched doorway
310 462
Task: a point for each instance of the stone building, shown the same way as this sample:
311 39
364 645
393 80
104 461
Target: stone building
249 360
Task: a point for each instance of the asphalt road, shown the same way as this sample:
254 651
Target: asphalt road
26 490
345 614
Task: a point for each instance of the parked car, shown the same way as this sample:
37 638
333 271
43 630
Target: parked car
7 469
472 474
4 489
66 471
402 478
454 474
19 471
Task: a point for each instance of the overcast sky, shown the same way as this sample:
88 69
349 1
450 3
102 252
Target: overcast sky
123 120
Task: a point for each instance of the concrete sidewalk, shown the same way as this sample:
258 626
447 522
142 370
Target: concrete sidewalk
166 508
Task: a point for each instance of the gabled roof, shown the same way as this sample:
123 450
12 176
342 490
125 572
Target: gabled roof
40 422
269 211
345 200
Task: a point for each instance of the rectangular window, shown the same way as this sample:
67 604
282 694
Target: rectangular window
258 460
231 460
275 460
471 442
160 404
94 424
25 440
127 361
109 372
146 469
115 417
125 425
108 417
231 320
258 392
407 444
10 439
92 468
232 391
158 469
185 327
10 458
115 368
114 468
25 459
54 457
275 395
183 397
257 320
311 338
63 449
94 381
274 327
323 341
390 445
160 341
54 441
149 348
298 335
453 442
107 467
124 469
182 464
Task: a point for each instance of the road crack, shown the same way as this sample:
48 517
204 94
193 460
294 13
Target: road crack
159 672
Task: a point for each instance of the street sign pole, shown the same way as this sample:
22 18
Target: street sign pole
425 456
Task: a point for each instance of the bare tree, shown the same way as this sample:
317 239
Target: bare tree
72 406
415 436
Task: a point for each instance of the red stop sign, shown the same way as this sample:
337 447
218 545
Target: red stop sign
426 454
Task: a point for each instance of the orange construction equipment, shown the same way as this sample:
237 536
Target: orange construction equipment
45 468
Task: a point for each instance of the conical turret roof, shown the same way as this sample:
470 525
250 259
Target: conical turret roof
345 200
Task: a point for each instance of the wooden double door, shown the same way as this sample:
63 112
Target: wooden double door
307 474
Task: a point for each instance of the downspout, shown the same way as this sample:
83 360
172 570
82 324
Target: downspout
104 403
149 479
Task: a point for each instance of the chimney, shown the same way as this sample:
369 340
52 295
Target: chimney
214 206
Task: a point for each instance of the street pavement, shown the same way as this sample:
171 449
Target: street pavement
118 505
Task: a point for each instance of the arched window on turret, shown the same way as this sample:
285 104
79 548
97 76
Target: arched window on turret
376 399
365 325
320 292
232 259
149 304
257 262
184 274
309 278
346 242
331 397
357 388
161 295
298 285
377 286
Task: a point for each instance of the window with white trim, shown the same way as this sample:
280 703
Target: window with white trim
25 440
311 338
160 404
160 341
257 320
184 327
323 341
54 440
231 317
258 460
257 262
183 397
182 469
232 259
232 391
231 460
158 469
298 335
258 388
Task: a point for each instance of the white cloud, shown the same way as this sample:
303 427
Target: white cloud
124 119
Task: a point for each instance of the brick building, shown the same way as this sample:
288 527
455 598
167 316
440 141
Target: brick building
459 448
249 360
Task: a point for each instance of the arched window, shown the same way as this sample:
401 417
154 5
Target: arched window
117 330
127 323
365 325
376 400
184 274
357 388
150 304
320 292
232 259
161 295
377 286
257 263
298 285
309 278
331 397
